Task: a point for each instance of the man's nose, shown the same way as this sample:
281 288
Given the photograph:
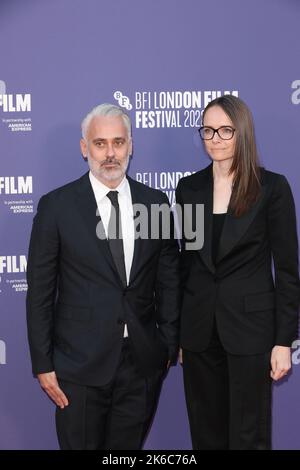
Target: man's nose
110 149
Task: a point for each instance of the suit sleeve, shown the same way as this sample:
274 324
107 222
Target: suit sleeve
167 291
284 246
42 271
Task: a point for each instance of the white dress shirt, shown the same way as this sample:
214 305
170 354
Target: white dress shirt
126 211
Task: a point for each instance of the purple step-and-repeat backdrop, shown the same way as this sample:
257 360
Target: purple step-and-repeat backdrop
163 61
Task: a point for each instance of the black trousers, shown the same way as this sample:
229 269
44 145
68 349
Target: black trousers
228 398
116 416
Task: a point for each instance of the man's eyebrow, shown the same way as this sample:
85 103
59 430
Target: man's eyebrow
99 139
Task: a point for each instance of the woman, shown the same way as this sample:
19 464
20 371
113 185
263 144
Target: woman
237 324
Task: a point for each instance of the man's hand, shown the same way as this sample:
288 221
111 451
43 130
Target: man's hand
49 384
280 361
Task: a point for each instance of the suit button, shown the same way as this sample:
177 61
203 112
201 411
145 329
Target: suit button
124 292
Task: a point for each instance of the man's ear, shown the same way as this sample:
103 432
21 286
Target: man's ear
130 148
83 148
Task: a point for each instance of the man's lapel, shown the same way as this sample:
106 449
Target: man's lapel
87 206
138 197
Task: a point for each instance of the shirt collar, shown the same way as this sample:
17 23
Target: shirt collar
101 190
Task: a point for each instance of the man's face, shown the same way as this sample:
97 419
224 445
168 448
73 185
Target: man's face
107 148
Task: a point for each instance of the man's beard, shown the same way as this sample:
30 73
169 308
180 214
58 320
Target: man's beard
109 174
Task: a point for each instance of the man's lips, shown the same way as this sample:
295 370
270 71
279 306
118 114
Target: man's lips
109 164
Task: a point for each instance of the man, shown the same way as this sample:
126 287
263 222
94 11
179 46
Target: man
102 304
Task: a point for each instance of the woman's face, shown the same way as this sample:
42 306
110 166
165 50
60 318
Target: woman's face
217 148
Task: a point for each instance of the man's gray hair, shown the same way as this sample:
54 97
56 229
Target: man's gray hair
105 109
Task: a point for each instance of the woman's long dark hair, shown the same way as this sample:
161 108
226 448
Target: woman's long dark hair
245 165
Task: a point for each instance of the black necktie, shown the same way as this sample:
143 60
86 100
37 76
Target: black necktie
115 239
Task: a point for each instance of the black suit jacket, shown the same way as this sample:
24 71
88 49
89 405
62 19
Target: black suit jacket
252 312
76 303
